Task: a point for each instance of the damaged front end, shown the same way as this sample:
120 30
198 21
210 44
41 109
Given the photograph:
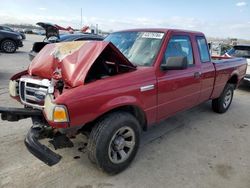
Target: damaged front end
60 67
53 73
36 95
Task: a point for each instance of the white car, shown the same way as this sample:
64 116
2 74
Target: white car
241 51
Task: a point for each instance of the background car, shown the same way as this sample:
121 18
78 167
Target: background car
38 32
10 41
241 51
52 36
5 28
79 37
28 31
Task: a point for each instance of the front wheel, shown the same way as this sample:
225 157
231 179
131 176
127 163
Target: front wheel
8 46
114 142
221 104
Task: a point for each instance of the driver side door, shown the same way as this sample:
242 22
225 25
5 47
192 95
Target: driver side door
178 89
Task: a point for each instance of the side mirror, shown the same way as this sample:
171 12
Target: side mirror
175 63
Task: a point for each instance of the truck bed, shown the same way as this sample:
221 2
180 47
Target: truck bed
225 67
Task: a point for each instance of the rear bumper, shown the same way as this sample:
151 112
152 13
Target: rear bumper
38 150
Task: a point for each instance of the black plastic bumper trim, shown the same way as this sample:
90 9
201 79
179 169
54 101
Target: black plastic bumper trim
16 114
38 150
21 111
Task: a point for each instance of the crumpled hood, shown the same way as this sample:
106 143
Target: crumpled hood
72 60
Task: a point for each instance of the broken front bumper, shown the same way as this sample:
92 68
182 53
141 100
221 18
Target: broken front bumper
16 114
37 149
36 132
40 129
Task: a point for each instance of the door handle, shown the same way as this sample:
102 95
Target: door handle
197 74
147 88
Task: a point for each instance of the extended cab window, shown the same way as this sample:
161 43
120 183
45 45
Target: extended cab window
203 49
180 46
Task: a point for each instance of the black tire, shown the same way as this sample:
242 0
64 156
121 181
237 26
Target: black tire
104 135
8 46
221 104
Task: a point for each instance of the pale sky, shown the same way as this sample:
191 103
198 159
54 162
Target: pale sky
216 18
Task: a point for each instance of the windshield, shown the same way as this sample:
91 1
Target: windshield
140 48
240 51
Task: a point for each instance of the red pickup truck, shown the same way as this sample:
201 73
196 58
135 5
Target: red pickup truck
115 88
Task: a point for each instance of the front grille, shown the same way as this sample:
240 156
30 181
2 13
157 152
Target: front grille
33 91
21 89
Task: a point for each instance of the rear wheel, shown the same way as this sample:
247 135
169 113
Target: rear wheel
221 104
114 142
8 46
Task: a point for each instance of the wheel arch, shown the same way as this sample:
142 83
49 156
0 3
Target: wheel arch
134 110
233 80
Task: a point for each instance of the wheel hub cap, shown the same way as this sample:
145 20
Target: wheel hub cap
9 46
227 99
121 145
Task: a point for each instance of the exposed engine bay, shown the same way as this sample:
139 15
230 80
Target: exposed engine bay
105 66
79 63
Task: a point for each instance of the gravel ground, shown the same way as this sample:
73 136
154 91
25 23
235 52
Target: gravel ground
195 148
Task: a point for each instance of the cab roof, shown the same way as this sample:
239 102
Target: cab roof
163 30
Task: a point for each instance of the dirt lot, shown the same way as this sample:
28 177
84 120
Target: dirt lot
196 148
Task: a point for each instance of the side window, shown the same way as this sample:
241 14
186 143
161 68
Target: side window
203 49
6 29
180 46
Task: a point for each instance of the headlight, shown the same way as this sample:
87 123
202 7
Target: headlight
54 112
13 88
19 37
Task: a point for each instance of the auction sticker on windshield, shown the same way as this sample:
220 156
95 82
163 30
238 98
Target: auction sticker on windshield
152 35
